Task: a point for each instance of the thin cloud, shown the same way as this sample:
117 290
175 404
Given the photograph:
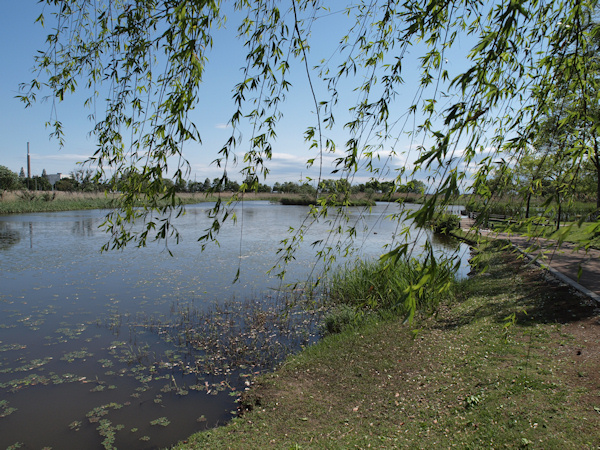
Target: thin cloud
60 157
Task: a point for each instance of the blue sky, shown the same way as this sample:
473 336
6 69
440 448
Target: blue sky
21 38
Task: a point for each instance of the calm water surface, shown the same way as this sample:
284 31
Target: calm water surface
137 348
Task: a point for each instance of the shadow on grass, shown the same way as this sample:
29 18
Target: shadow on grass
510 285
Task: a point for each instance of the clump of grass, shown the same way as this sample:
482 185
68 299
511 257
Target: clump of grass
377 286
302 200
338 319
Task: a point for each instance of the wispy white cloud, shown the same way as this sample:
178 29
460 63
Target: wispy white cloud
60 157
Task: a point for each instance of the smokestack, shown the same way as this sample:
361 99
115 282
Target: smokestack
28 162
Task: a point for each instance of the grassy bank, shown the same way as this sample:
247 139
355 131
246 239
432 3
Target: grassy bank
511 362
20 202
40 201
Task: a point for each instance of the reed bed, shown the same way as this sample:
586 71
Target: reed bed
19 202
368 287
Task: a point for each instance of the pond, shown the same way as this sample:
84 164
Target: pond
138 348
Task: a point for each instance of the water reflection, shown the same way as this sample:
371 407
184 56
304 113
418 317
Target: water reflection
444 241
8 236
84 227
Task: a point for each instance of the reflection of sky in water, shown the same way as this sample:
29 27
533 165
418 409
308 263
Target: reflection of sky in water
58 293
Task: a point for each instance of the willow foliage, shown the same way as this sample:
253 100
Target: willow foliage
461 121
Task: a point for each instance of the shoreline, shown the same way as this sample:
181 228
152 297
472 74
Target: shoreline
21 202
510 362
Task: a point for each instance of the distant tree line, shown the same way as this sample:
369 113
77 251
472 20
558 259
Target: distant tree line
330 186
82 180
79 180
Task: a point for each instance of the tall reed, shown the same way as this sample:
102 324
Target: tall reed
381 287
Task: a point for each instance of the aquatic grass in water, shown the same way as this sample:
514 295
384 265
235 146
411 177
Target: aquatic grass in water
210 350
161 421
253 334
5 410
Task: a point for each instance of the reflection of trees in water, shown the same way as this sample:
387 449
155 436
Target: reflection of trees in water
444 241
8 236
83 227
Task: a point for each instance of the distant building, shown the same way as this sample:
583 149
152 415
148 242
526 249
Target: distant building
54 177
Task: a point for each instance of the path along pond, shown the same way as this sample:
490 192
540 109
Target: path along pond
138 348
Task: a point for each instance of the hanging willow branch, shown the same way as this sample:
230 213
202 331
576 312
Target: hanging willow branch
453 87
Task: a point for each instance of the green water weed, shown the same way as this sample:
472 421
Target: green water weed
161 421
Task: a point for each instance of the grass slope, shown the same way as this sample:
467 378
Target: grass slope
469 377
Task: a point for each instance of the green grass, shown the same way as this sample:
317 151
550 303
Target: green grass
40 205
364 289
516 206
382 287
470 377
20 202
33 202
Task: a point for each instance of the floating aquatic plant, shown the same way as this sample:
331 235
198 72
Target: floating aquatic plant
5 410
95 414
20 383
10 347
77 354
108 432
33 364
162 421
232 342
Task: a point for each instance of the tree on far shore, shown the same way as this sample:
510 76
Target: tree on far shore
8 179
